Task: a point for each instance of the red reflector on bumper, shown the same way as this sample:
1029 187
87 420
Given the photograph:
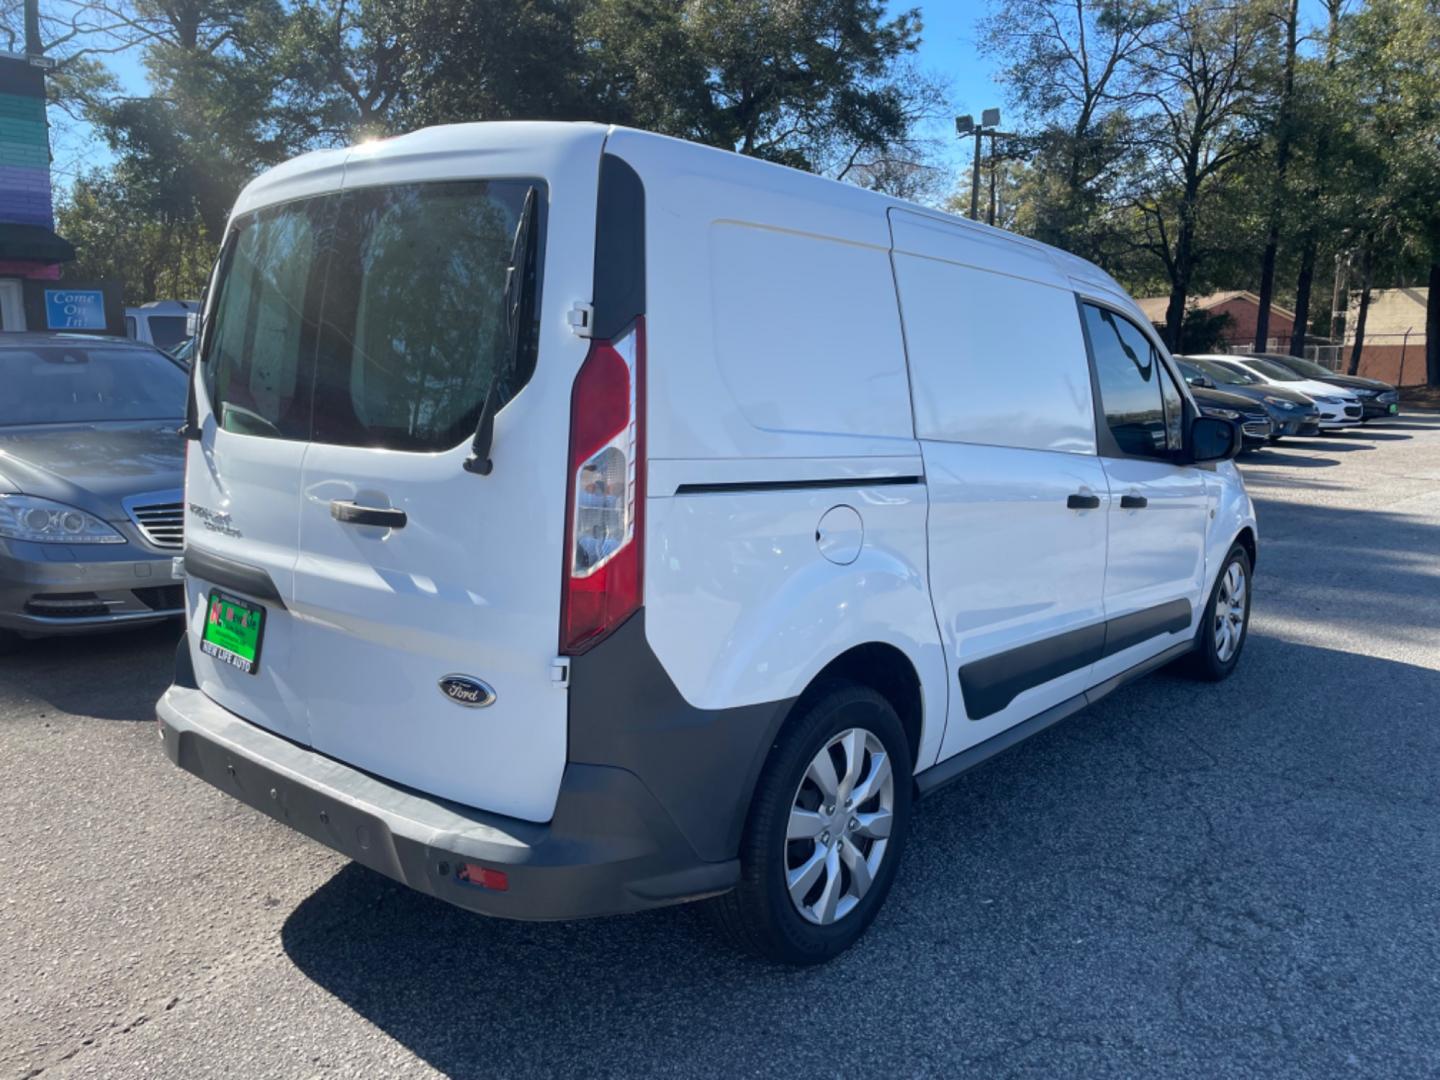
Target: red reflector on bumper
483 876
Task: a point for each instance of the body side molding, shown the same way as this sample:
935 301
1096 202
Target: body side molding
937 776
990 684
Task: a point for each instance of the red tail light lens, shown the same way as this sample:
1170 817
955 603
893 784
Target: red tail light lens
606 497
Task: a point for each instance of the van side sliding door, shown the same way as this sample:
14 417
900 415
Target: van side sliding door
1155 568
1018 498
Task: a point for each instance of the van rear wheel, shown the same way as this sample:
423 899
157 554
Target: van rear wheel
825 832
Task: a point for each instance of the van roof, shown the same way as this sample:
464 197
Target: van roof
164 307
323 170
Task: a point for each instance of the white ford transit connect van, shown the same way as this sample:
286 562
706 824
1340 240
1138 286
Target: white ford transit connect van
580 520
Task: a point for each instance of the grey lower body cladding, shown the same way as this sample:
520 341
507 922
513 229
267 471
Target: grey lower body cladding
992 683
650 809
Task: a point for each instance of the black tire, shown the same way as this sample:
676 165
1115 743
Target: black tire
759 915
1205 662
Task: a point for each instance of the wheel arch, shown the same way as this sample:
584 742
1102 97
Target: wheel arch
1246 539
883 668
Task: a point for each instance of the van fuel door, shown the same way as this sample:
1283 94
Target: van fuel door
840 535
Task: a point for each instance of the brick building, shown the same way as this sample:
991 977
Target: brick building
1242 307
1394 348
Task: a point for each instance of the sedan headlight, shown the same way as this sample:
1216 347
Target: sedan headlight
1280 402
1364 392
24 517
1220 414
1326 400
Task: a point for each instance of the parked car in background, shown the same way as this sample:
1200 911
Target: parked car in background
1339 408
1290 413
162 323
184 352
91 469
1376 398
627 580
1251 415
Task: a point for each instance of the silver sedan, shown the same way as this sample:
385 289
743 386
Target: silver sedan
91 471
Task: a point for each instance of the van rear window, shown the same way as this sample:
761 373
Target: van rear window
373 317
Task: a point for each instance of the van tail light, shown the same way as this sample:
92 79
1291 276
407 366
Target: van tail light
604 527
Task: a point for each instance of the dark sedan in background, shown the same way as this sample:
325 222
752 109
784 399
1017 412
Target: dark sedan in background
91 472
1290 413
1376 398
1251 415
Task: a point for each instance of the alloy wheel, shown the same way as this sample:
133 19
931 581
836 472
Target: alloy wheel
839 826
1230 612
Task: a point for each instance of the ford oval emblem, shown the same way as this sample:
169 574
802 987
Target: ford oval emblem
467 691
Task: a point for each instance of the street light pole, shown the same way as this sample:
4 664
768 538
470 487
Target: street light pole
975 181
966 126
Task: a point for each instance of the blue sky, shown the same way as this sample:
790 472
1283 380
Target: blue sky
948 50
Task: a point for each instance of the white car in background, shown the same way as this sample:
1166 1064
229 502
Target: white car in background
166 324
1339 408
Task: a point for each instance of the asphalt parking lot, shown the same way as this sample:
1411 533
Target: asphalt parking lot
1184 881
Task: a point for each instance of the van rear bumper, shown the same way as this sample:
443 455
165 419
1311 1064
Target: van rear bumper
610 848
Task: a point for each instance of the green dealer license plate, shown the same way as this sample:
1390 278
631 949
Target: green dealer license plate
233 629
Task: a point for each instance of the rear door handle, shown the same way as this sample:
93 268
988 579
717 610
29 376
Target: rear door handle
354 514
1083 502
1133 502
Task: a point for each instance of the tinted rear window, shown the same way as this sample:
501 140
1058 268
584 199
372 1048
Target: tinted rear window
370 318
167 330
78 384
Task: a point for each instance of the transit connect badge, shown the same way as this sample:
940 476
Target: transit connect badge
467 691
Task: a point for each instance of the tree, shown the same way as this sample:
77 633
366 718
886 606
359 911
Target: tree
818 84
1071 67
1284 138
1202 87
1387 186
1315 105
154 254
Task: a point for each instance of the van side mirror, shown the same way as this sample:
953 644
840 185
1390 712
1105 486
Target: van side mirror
1212 439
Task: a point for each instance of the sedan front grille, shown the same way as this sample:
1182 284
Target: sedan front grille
1257 427
163 524
1352 411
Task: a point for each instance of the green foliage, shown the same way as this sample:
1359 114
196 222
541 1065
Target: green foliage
241 85
155 254
1203 331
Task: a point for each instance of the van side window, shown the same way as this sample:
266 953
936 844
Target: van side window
1133 384
995 360
263 337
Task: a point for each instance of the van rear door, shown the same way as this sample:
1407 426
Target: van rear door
429 591
243 473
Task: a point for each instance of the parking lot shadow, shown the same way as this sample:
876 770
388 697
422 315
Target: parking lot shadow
1180 874
1279 456
134 665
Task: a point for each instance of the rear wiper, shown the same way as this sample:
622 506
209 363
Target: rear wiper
522 257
